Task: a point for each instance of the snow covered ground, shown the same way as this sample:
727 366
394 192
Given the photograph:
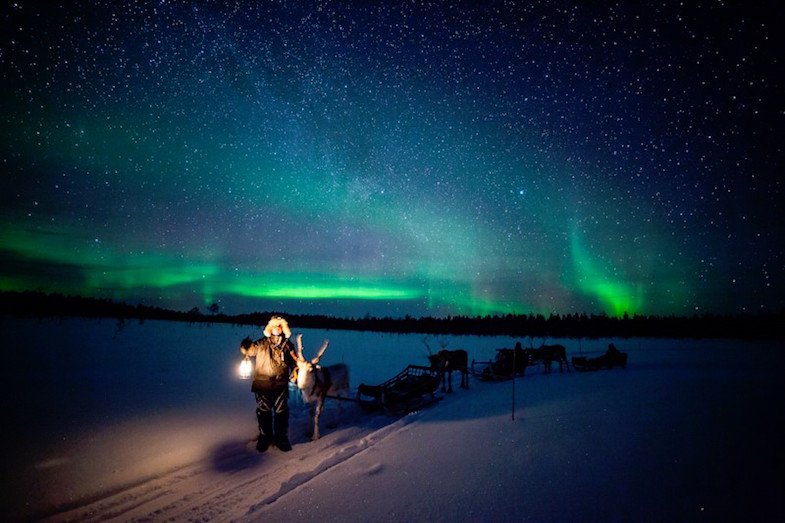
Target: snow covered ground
150 422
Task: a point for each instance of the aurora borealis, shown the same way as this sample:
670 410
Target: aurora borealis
392 158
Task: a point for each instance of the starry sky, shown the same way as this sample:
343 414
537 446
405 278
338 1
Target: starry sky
392 158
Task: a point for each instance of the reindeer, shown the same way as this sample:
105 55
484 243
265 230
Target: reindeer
316 382
548 353
446 361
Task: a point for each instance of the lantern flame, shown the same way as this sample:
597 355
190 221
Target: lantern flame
245 369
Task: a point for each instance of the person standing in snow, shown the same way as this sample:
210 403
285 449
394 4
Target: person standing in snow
275 360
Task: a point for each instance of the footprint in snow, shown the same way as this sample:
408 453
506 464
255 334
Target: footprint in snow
374 469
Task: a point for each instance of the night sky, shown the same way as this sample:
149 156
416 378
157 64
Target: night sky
423 158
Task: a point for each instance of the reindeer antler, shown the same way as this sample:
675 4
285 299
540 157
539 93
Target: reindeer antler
321 351
299 340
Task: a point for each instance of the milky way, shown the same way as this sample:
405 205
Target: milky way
421 158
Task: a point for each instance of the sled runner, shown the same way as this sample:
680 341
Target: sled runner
409 390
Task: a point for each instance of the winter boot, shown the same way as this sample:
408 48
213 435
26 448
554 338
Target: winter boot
265 420
282 431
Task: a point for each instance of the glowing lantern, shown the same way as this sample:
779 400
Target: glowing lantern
246 368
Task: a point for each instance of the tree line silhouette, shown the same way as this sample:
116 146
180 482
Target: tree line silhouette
739 326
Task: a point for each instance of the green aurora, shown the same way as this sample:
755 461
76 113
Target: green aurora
388 160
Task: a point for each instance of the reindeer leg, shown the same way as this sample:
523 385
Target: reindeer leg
317 413
312 411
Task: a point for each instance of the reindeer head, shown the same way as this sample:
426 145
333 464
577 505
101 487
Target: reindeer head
436 360
305 368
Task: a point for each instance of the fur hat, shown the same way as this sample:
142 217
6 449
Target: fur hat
274 321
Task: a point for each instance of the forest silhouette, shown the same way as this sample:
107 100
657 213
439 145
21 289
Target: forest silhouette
739 326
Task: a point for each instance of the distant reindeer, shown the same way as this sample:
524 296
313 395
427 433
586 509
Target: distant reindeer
445 361
316 382
549 353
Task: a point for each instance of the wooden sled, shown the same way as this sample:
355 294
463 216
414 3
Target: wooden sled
411 389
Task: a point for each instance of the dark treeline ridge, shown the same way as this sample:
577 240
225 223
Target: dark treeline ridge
742 326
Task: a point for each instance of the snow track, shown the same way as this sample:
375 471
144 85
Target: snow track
246 483
677 436
340 456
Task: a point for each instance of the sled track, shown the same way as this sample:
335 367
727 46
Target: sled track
246 484
344 454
